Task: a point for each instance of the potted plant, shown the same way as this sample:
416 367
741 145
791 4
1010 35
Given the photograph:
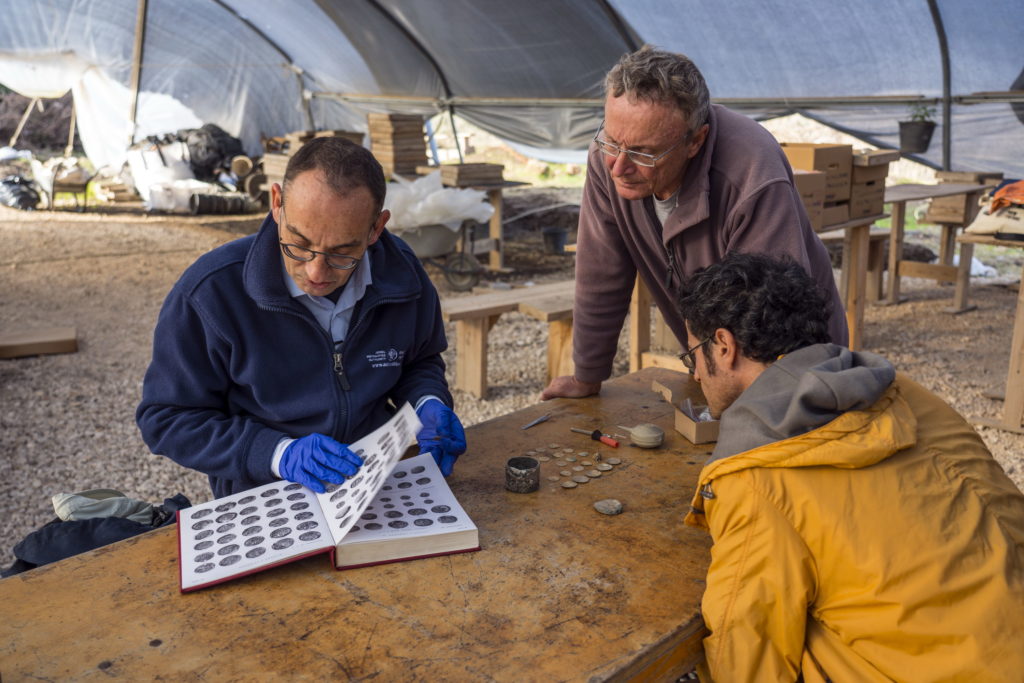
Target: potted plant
916 132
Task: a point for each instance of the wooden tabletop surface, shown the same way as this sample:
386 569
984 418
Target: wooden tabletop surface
911 192
558 592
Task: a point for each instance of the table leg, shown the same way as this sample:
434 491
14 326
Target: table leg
1013 405
963 280
896 251
856 281
471 347
496 258
947 244
639 325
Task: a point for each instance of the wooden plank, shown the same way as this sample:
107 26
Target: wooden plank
550 307
669 361
928 271
37 342
639 325
477 305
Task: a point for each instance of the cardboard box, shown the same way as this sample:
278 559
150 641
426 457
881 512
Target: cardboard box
696 432
835 161
811 187
835 213
867 199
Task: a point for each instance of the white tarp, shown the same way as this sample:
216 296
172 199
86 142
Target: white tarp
529 71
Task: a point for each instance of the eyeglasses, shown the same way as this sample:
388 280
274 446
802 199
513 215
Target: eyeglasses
336 261
638 158
689 359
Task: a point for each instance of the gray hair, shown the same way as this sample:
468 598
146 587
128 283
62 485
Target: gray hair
655 75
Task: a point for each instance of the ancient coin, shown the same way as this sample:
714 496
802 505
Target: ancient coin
603 466
577 468
566 473
593 474
569 484
581 479
553 478
613 461
608 506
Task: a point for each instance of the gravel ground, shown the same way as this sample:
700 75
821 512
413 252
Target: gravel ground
67 421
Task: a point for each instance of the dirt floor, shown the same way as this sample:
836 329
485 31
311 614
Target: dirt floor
67 421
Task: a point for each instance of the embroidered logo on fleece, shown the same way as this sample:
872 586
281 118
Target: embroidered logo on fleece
388 358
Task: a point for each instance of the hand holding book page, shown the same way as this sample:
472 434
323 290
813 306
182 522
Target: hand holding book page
281 521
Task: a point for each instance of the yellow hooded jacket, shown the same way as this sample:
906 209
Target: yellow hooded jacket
884 544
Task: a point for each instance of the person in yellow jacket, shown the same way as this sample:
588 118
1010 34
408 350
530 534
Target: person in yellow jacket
862 530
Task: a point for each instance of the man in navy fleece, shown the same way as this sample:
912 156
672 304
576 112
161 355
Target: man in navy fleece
274 351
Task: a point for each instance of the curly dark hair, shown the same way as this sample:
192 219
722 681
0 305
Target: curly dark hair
771 305
345 165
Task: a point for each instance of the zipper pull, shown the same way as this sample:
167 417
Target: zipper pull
339 370
670 274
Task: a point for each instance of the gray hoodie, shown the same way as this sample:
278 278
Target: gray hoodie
802 391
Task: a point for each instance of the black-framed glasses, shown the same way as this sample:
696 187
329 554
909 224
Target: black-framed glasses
638 158
336 261
689 359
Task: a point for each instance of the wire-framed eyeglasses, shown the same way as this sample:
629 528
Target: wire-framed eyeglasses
336 261
689 358
638 158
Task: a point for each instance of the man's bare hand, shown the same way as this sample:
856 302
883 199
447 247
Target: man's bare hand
567 386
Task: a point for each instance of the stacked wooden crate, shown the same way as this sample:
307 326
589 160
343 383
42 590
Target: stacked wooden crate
956 209
836 162
467 175
867 187
397 142
279 150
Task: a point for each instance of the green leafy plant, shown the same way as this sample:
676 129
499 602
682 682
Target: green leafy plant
920 111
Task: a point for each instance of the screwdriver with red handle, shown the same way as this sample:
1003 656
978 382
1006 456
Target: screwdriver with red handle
596 435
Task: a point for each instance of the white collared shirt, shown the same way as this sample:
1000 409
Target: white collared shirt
335 318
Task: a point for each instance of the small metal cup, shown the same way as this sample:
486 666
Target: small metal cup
522 474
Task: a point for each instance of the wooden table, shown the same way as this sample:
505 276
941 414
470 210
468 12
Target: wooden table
944 271
1013 399
558 592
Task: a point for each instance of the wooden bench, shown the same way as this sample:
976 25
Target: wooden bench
475 315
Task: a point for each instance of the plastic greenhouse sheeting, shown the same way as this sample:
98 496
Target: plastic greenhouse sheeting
529 71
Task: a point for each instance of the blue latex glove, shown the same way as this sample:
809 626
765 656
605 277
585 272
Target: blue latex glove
315 459
442 435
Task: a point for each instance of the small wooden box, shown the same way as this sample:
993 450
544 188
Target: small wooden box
695 432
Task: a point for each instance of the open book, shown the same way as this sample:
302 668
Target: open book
392 510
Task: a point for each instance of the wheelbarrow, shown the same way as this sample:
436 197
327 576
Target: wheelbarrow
433 242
